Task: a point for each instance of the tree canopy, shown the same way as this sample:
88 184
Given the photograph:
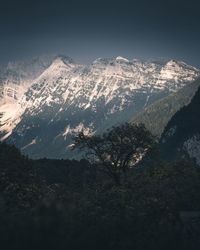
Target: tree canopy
118 149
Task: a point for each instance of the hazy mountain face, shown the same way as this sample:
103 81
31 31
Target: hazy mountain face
45 101
181 137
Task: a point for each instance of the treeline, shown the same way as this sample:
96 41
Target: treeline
64 204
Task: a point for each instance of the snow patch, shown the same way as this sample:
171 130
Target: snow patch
119 58
79 128
31 143
192 147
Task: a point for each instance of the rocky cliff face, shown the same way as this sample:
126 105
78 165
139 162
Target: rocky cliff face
45 103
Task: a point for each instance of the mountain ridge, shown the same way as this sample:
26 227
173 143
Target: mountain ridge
68 97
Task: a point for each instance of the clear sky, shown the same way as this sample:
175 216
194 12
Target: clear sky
85 30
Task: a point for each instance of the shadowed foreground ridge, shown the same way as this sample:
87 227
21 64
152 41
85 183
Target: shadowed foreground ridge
63 204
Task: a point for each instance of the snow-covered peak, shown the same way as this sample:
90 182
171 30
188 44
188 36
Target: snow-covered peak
66 59
180 65
119 58
174 70
106 61
59 63
57 69
171 63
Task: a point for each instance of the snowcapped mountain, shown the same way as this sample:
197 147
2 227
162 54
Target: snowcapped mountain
181 137
42 103
15 79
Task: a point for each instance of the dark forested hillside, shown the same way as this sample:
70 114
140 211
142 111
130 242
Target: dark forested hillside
157 115
181 137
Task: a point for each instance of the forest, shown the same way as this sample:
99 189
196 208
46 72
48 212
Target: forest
107 200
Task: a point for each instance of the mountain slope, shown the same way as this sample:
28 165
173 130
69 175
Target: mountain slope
181 137
157 115
67 98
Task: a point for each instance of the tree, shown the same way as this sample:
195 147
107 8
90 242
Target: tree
118 149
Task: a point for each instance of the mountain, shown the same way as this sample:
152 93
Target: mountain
53 97
157 115
181 137
15 79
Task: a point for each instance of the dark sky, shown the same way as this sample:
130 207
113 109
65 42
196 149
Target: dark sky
85 30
